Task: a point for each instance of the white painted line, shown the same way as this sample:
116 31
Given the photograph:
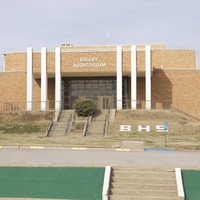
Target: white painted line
79 148
179 184
119 149
106 183
36 147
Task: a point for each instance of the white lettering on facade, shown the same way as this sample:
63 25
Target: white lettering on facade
159 128
89 62
147 128
125 128
88 59
89 65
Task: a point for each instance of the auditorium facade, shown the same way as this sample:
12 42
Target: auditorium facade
121 77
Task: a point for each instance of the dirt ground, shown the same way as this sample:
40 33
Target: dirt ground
28 128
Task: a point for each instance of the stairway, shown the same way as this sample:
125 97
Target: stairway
78 127
96 127
59 128
142 184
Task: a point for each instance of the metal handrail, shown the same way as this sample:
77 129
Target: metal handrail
22 105
57 116
69 124
106 123
126 104
50 125
89 119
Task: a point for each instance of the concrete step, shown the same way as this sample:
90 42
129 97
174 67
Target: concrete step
144 174
96 128
59 125
58 128
144 193
65 115
144 181
131 197
143 169
140 186
139 183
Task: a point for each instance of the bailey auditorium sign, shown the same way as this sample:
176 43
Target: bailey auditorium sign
89 62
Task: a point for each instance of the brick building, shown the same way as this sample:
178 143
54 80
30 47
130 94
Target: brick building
121 77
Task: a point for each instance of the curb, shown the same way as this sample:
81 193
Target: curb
95 148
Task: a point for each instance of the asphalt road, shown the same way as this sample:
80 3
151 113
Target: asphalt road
97 157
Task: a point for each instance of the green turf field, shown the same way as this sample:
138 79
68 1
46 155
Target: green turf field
191 182
52 182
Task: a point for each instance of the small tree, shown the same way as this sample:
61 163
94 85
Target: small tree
84 106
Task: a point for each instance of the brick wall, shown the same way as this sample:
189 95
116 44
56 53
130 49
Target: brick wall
161 57
13 89
15 61
36 94
181 87
170 58
178 87
36 62
51 63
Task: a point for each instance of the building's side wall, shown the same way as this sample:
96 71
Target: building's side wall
181 87
13 90
171 58
15 61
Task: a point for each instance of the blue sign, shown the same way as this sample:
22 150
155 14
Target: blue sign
166 126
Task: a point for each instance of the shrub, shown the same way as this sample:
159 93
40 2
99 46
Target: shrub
84 107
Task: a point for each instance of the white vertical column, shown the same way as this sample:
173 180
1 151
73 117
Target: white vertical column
29 77
133 78
119 77
43 79
57 79
148 76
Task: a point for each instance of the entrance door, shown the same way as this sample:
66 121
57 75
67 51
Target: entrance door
105 102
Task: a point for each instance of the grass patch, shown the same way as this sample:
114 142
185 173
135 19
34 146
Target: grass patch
21 128
184 132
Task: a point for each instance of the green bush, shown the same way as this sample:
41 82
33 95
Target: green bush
84 107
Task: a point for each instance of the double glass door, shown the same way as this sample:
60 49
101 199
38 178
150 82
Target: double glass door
100 89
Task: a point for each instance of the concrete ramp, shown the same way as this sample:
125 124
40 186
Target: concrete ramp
133 145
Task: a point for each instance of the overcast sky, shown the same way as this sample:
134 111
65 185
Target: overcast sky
47 23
